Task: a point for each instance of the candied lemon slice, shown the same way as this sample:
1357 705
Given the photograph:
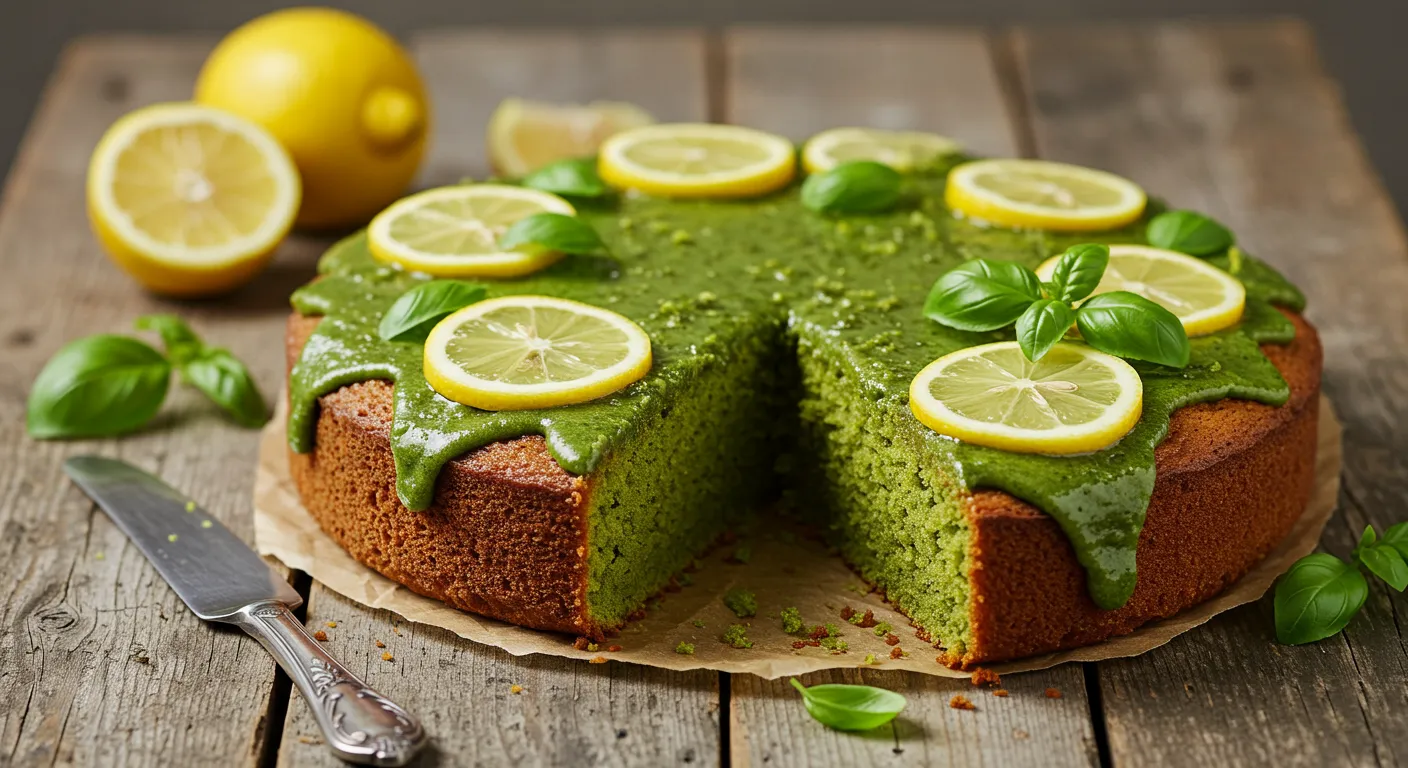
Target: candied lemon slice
1037 194
697 160
902 150
527 135
1073 400
520 352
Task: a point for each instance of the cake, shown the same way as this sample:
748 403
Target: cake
784 342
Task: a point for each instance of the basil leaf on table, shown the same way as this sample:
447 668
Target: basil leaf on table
225 380
850 707
858 186
98 386
573 178
1043 324
180 341
1317 598
982 295
420 308
1128 325
1078 271
1382 560
1188 232
551 232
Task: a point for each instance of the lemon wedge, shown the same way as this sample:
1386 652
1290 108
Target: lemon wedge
902 150
455 231
1203 297
1037 194
527 135
697 160
190 200
1074 400
521 352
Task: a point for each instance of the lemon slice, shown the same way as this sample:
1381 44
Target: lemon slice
1074 400
190 200
527 135
1042 195
902 150
697 160
455 231
520 352
1204 297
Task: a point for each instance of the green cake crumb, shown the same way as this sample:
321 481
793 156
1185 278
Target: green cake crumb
792 621
742 602
698 623
834 644
870 659
882 629
685 580
737 636
190 506
685 649
742 555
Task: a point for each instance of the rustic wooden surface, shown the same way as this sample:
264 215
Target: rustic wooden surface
101 664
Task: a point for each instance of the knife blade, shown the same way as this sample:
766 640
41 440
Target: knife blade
221 579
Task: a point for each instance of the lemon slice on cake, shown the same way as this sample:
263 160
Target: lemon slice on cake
1074 400
1037 194
527 135
190 200
1203 297
902 150
455 231
697 160
521 352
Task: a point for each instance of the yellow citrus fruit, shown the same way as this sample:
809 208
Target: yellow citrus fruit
340 94
697 160
521 352
1073 400
527 135
191 201
1037 194
902 150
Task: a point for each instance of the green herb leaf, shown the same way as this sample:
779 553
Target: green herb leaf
180 341
982 295
1078 272
98 386
1042 325
850 707
420 308
1188 232
551 232
1397 537
1317 598
1382 560
224 379
1128 325
573 178
858 186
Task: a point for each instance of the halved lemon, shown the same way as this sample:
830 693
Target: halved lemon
1037 194
697 160
190 200
455 231
1204 297
521 352
902 150
527 135
1073 400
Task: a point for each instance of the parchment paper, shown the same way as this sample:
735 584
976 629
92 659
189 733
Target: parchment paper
784 569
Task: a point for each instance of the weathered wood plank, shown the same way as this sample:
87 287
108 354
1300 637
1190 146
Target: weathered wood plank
568 713
798 82
1240 121
100 662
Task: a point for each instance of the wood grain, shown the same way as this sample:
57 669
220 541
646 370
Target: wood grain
1241 122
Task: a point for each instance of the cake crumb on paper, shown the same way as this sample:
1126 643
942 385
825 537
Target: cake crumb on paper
597 660
380 644
1001 693
897 653
1053 693
613 648
792 620
984 676
685 649
892 639
310 740
332 625
960 701
737 636
515 689
742 602
320 636
386 656
581 643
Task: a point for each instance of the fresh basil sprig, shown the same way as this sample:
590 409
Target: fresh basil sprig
1321 593
1188 232
420 308
1383 558
221 377
559 232
1043 324
572 178
850 707
982 295
1078 272
1128 325
859 186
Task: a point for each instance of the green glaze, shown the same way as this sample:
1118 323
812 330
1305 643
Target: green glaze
700 276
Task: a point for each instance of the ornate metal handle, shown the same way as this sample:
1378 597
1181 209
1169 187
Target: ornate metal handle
360 725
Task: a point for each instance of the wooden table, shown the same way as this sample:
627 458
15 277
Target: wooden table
100 663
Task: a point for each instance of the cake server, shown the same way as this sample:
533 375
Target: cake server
221 579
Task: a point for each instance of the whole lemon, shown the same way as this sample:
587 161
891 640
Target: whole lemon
340 94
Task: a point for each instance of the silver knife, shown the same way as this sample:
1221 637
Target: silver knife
221 579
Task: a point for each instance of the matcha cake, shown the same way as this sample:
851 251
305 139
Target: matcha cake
784 343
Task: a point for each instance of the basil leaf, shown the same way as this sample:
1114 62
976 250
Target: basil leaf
1397 537
97 386
573 178
982 295
1042 325
1128 325
1078 271
180 341
420 308
225 380
1188 232
858 186
850 707
1382 560
551 232
1317 598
